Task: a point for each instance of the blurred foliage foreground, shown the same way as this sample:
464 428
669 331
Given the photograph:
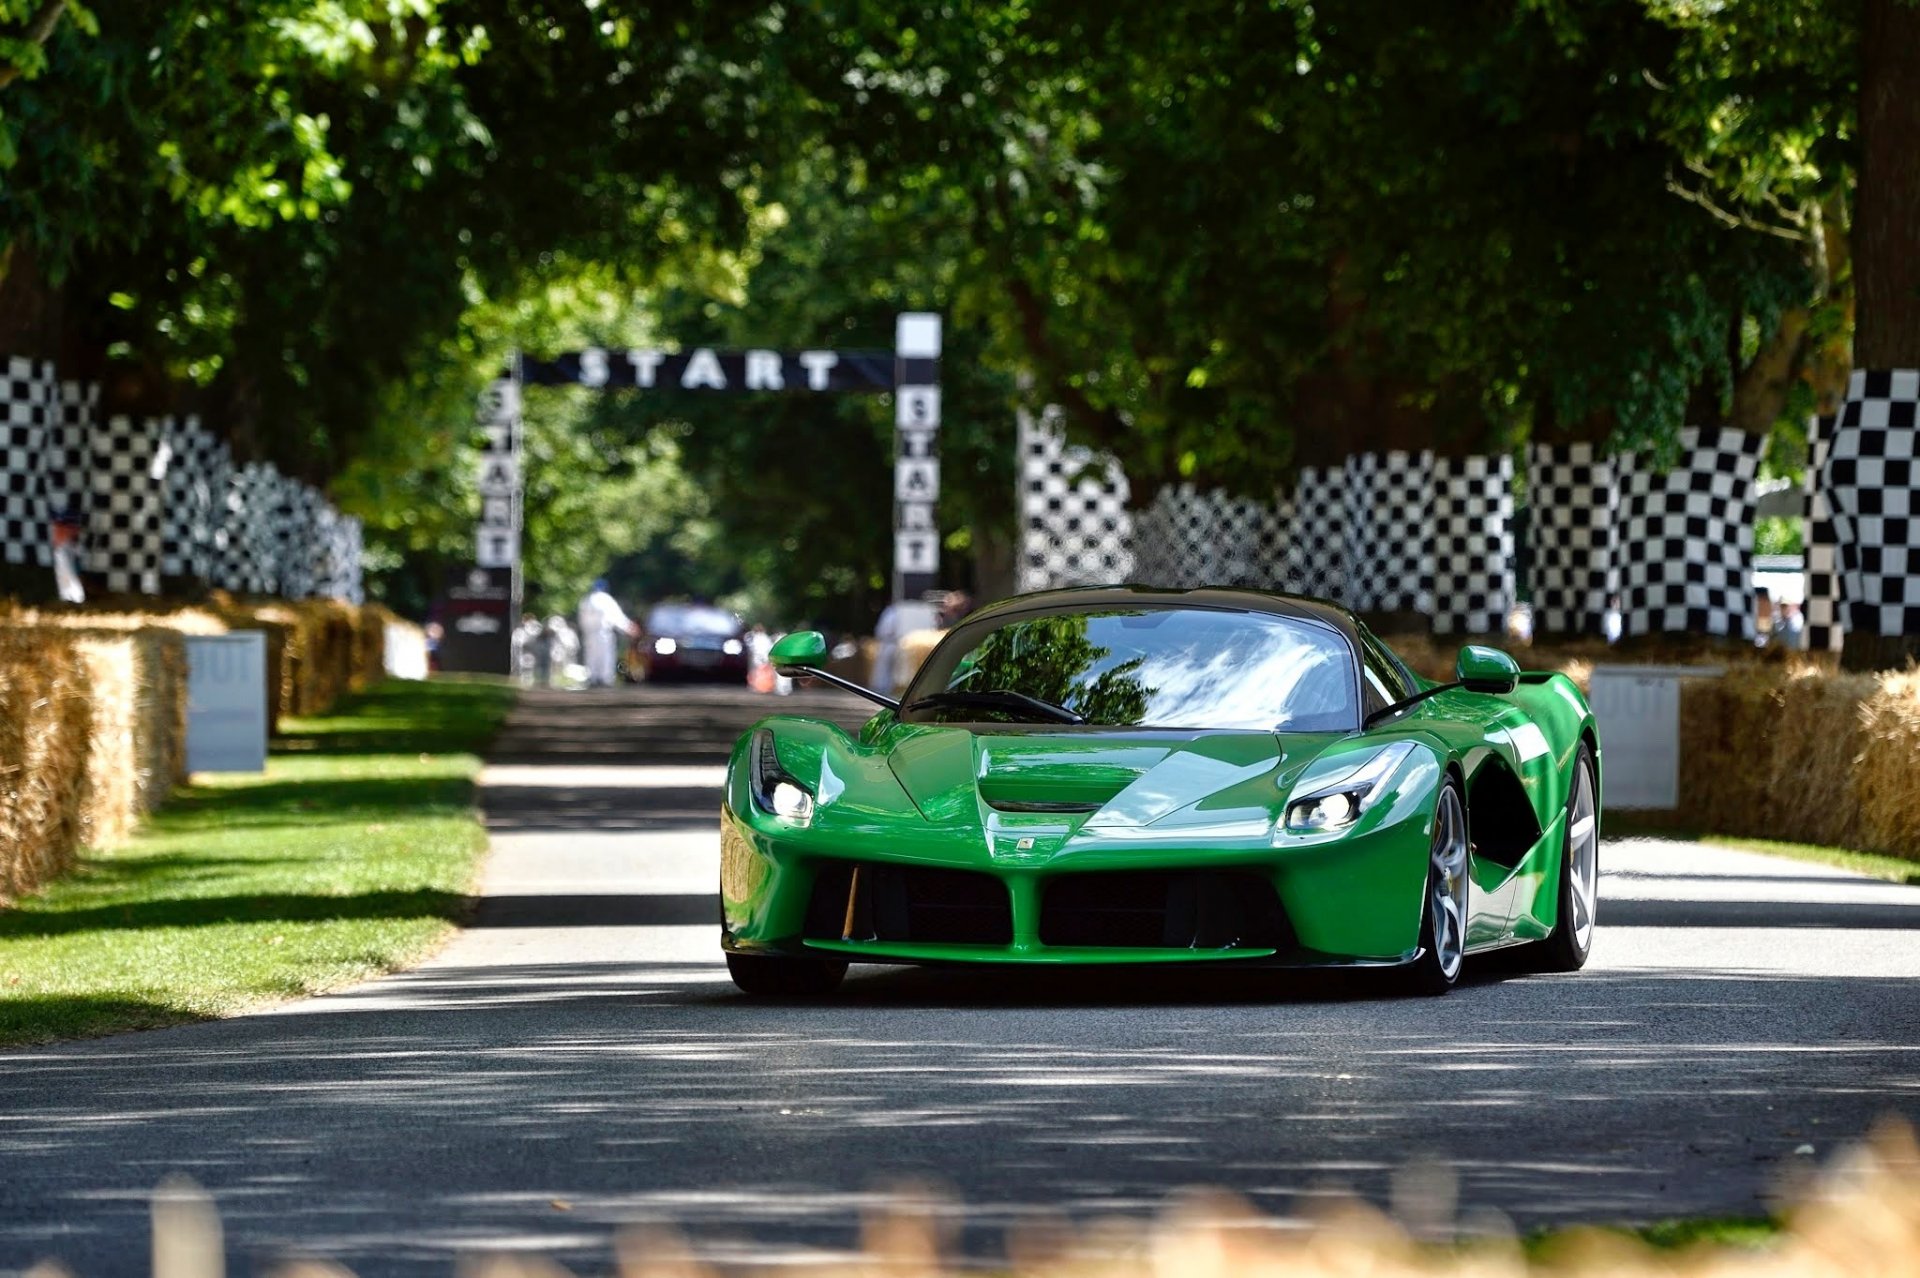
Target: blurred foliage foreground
1858 1217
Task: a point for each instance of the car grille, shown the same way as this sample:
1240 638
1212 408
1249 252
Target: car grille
1172 910
909 903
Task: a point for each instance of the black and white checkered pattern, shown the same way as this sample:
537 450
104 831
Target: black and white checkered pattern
341 576
1572 503
1074 526
126 480
29 398
1473 544
1390 532
1824 630
252 558
195 514
1873 488
1685 551
296 537
1314 561
1189 538
64 463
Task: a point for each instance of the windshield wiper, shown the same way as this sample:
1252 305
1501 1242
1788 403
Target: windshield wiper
996 699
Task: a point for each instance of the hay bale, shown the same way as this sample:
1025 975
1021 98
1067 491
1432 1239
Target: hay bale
44 724
115 780
915 645
1887 779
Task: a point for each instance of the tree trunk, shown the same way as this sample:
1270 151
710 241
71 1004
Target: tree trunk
1886 236
1886 223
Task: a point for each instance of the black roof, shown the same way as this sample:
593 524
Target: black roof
1234 598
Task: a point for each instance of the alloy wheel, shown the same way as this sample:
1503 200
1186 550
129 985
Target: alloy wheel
1583 857
1447 903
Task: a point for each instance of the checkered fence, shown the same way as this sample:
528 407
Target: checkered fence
1473 585
341 576
1187 537
296 520
158 497
253 547
1390 532
1874 495
28 413
1074 526
1685 546
126 497
1825 597
1314 560
1572 502
197 474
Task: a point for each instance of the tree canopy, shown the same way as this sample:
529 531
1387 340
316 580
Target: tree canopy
1228 239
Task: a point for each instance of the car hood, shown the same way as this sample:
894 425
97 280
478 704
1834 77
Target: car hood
1114 784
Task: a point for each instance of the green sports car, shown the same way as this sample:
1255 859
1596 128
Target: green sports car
1125 775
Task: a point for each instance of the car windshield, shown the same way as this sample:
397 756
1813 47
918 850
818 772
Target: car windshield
691 619
1172 667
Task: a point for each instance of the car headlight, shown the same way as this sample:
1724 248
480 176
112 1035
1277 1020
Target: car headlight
733 647
774 789
665 647
1335 804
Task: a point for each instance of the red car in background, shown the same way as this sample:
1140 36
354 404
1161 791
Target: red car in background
691 641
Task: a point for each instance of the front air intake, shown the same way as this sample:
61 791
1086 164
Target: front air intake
1182 910
908 903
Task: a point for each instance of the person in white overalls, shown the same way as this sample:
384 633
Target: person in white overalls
602 624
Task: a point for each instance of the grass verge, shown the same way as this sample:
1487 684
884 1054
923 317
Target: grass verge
351 855
1894 869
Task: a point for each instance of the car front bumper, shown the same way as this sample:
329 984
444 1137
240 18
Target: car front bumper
1354 902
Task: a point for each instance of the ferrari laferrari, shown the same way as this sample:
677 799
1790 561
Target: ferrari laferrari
1137 776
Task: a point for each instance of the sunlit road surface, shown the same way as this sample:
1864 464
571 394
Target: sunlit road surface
577 1061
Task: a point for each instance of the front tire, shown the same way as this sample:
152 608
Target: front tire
1443 923
1567 947
774 976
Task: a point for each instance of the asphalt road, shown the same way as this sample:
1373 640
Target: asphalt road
577 1061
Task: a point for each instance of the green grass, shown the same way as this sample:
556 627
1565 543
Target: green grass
350 856
1744 1233
1872 864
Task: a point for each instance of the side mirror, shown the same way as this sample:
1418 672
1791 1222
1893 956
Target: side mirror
1486 670
801 649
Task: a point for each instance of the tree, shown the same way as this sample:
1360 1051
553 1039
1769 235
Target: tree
1887 238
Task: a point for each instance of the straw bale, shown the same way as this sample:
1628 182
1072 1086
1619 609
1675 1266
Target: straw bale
1887 779
44 723
114 778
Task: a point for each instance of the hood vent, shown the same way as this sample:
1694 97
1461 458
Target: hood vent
1044 806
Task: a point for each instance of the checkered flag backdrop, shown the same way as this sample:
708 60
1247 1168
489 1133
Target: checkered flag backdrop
1390 532
1685 551
195 513
1873 491
126 479
28 408
252 559
1473 544
1824 630
1189 538
296 533
1571 504
343 539
1074 525
1314 561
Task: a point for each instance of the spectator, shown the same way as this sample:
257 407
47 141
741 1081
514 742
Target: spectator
601 621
